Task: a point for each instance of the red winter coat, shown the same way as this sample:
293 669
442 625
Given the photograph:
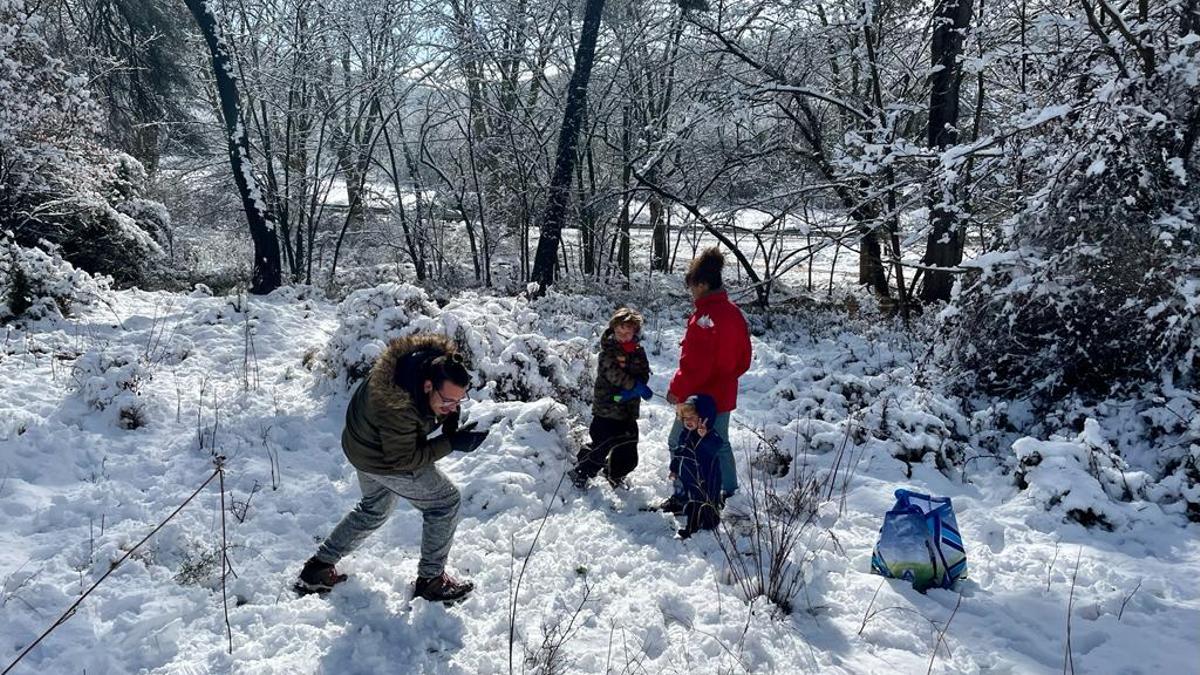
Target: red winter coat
715 352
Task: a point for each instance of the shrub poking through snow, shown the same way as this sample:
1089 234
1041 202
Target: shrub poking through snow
112 379
501 338
198 563
917 424
1079 477
922 425
1174 427
369 319
1156 432
768 554
36 285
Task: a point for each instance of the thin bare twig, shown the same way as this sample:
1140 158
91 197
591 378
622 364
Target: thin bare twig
512 608
871 604
225 566
1068 657
1128 598
1050 568
941 638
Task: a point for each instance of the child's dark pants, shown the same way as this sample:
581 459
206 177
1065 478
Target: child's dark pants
614 443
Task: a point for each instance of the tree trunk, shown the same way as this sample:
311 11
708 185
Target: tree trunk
870 264
554 217
661 106
267 271
658 229
587 226
944 247
626 174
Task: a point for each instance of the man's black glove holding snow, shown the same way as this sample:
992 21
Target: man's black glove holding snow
466 439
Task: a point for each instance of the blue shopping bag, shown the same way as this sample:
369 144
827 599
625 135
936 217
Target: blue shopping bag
920 543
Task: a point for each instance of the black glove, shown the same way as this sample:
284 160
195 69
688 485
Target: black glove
467 441
450 424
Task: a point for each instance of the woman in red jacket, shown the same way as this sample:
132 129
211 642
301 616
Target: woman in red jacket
715 353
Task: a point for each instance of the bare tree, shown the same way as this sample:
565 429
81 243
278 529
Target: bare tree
555 214
266 268
944 247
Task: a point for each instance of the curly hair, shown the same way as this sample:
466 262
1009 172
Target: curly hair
706 269
626 315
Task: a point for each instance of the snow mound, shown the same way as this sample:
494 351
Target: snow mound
111 379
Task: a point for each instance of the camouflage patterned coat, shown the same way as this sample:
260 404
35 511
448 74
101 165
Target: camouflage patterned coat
618 370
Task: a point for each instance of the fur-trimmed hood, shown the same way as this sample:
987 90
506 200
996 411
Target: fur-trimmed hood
389 391
388 423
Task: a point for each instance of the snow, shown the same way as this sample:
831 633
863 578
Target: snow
376 195
1034 118
990 263
263 381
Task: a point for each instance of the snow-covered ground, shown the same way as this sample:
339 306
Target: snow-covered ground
261 382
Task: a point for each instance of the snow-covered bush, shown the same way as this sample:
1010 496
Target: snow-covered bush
1081 477
921 424
530 367
35 284
860 391
1168 433
112 379
1095 286
1143 447
46 112
1181 481
57 185
98 238
150 217
368 320
503 339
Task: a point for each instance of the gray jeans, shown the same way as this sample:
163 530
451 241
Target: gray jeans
427 489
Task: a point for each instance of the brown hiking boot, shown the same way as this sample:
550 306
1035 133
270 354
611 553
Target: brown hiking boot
443 588
318 577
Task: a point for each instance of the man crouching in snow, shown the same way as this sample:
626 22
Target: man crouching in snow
414 388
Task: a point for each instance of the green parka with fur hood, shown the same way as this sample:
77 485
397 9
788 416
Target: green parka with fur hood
388 421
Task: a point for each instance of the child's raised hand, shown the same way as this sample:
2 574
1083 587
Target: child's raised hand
671 475
702 429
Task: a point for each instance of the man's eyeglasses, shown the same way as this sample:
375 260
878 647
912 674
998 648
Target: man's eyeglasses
446 400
